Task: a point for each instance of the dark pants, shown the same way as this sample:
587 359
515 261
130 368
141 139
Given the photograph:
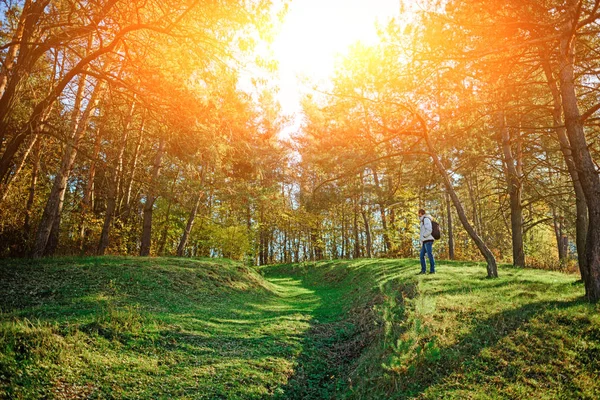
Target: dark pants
427 248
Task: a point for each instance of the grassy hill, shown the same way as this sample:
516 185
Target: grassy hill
214 329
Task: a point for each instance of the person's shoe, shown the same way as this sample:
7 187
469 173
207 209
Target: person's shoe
432 272
421 273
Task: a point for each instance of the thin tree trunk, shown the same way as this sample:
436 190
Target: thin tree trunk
492 269
163 237
355 230
134 162
581 210
150 199
111 204
474 203
88 194
450 227
52 213
514 191
558 234
189 225
121 189
113 186
367 233
343 232
381 202
586 169
32 187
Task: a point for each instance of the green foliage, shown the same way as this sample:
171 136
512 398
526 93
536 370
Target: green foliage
232 241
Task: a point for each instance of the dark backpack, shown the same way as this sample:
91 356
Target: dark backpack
435 230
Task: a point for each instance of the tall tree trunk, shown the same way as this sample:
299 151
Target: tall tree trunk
133 167
52 213
450 227
315 241
367 233
557 222
492 268
355 230
163 237
113 186
88 193
513 179
474 202
381 202
586 169
32 187
271 246
581 210
344 236
189 225
150 199
121 187
111 205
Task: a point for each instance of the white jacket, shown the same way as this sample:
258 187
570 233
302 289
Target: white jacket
426 228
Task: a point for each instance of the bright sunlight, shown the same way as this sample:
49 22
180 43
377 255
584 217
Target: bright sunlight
314 32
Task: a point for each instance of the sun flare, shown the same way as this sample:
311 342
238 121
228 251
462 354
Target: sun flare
315 32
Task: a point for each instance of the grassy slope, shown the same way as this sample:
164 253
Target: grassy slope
457 334
174 328
146 328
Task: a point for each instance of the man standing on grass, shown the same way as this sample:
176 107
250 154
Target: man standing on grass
426 240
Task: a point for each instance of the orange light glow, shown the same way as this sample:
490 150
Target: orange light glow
314 32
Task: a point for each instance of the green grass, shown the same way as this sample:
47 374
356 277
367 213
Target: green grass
177 328
147 328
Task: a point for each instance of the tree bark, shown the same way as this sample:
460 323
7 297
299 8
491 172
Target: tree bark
557 223
113 187
32 188
367 233
492 268
52 213
450 227
133 167
355 230
581 210
586 169
381 200
87 202
513 179
163 237
150 199
188 227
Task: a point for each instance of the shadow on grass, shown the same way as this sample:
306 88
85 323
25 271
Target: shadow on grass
339 329
466 352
